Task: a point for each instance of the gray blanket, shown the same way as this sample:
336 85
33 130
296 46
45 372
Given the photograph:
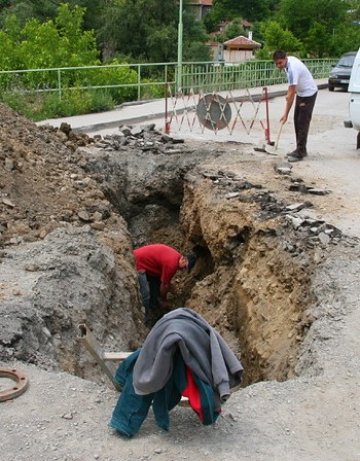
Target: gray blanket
203 349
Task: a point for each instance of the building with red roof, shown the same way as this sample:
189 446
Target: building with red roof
201 7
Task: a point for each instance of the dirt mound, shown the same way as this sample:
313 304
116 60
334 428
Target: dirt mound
42 184
66 256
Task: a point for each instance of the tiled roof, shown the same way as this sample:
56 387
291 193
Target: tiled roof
241 42
201 2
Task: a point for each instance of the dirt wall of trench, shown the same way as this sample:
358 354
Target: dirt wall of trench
259 292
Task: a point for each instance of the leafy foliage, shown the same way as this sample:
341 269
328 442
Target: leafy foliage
233 29
52 34
325 27
148 31
48 44
227 10
276 37
59 43
300 16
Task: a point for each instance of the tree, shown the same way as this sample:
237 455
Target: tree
345 38
277 38
146 30
255 10
43 10
108 33
222 10
354 10
28 9
318 40
226 10
58 43
300 16
234 29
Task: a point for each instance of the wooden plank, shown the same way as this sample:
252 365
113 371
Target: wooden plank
116 356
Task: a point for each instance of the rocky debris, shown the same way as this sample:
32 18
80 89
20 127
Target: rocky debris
42 184
66 255
256 246
298 185
283 168
318 230
234 187
312 230
229 179
298 206
145 138
317 191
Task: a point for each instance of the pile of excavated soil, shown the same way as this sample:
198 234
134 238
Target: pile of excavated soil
65 255
42 185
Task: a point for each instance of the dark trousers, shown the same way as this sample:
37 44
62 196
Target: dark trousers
150 293
302 117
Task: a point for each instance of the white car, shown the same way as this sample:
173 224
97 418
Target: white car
354 104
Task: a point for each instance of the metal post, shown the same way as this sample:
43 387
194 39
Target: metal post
139 82
59 83
267 129
179 55
167 123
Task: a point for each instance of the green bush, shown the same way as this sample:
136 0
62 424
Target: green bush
18 102
152 90
102 100
40 106
113 76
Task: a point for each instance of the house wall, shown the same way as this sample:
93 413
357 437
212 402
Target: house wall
200 11
238 55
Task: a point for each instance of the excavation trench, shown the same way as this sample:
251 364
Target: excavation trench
74 209
252 279
253 276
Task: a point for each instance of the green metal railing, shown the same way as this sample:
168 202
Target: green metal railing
249 74
145 81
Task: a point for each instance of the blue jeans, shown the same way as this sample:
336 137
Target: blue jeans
144 290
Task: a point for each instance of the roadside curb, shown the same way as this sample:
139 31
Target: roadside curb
156 115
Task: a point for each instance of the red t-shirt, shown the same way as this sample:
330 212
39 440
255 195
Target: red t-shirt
157 260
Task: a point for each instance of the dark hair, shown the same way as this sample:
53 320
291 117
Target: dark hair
191 261
279 54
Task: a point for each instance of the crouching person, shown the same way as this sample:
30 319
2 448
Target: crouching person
156 265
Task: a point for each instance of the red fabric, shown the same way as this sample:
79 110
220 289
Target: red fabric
157 260
191 391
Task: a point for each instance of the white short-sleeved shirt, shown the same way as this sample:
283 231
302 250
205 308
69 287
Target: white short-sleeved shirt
298 74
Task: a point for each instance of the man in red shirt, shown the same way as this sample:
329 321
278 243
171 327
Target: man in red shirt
156 265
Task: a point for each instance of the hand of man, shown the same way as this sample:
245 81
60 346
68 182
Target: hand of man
164 304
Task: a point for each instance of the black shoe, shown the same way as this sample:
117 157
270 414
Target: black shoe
297 153
294 158
293 153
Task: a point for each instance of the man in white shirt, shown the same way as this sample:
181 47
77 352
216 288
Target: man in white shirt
303 86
